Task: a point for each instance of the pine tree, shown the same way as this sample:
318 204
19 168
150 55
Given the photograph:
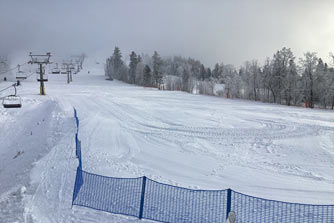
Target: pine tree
202 73
133 67
208 73
216 72
185 80
117 64
147 76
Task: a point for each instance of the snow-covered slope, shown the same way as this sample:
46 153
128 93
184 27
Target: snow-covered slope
265 150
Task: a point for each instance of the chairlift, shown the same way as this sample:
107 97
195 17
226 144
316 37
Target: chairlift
55 70
12 101
20 75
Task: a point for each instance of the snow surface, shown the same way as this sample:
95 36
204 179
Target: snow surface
265 150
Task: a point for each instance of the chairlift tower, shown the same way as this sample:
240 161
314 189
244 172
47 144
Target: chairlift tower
40 60
69 68
69 79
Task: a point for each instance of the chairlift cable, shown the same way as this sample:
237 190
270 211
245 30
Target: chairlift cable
15 83
13 68
32 73
7 87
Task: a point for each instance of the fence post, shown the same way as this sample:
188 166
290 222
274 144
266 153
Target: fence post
142 198
76 145
228 203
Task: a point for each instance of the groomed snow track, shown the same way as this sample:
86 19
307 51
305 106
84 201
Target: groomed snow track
197 142
145 198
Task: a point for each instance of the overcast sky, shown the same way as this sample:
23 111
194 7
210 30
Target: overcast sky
229 31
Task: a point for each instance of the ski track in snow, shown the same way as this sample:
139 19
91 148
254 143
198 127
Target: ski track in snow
271 151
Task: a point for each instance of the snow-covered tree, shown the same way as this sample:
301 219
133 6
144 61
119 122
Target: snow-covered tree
291 87
216 72
115 67
157 74
309 66
280 66
279 80
185 80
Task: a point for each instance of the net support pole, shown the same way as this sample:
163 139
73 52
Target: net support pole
228 202
141 208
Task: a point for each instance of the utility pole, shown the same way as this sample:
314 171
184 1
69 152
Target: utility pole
40 60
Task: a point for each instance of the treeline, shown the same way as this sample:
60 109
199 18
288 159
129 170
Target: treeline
280 80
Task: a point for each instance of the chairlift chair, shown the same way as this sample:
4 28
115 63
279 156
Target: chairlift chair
56 71
20 75
12 101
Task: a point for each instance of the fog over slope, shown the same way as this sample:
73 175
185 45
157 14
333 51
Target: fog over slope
211 31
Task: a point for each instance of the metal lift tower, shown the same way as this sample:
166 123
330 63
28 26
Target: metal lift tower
40 59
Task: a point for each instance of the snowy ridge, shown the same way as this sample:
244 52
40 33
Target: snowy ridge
145 198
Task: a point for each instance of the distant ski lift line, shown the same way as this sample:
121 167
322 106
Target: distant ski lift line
13 68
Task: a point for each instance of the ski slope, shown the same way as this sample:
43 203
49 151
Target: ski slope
265 150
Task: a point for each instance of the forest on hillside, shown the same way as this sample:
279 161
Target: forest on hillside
282 79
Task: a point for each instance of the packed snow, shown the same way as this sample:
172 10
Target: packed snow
194 141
